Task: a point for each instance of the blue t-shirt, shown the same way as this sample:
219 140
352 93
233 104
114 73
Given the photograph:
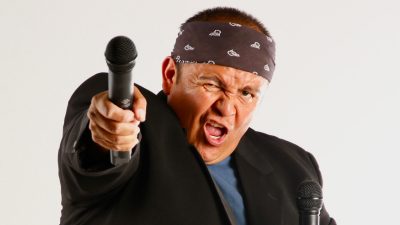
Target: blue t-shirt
224 175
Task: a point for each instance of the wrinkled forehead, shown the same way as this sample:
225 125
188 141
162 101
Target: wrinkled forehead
228 76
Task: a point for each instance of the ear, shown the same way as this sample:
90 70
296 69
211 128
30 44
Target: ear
169 74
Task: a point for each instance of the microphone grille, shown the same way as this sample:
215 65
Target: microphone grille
120 50
309 195
309 189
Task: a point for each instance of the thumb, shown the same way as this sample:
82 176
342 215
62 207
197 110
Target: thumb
139 105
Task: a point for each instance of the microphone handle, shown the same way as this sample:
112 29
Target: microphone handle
309 218
120 92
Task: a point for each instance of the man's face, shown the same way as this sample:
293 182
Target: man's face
213 103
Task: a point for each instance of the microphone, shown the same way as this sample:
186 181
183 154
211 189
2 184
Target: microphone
309 202
120 56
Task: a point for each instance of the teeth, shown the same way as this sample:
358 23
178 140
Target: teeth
215 137
216 125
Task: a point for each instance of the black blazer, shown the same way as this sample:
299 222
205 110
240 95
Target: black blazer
166 182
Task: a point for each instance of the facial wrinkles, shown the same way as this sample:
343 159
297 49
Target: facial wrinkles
193 116
231 79
192 119
198 105
240 81
230 100
231 82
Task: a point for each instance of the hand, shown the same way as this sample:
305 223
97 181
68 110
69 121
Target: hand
115 128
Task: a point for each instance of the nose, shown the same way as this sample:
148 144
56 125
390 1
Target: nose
225 106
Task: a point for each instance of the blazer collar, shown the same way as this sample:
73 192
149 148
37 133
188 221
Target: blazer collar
260 187
251 153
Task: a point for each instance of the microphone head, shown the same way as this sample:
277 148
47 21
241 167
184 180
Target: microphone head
120 50
309 196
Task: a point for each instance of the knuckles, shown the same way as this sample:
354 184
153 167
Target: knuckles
121 128
106 131
115 128
110 113
114 141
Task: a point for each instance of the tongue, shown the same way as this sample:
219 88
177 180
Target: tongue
214 131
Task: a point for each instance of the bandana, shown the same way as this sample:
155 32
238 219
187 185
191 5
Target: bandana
226 44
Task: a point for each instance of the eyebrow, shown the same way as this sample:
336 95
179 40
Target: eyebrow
209 77
215 78
251 89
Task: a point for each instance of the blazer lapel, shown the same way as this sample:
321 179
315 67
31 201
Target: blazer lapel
260 188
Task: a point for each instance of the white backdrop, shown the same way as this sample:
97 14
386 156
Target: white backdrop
334 91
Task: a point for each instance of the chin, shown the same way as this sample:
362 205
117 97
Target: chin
210 155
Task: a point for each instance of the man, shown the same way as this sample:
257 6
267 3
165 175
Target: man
196 161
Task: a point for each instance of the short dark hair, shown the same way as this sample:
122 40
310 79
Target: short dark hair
228 14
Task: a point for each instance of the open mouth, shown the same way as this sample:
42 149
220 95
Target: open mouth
215 133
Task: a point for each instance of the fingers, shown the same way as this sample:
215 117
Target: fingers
114 141
139 105
112 127
109 110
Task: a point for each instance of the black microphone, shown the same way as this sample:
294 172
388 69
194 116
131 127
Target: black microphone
309 202
120 56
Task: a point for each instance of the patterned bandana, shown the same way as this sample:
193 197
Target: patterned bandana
226 44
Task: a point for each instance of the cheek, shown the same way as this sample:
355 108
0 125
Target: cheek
198 99
199 106
191 105
244 118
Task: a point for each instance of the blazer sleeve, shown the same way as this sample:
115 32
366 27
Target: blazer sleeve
85 172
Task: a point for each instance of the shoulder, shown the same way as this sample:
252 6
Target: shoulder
273 144
284 155
90 87
291 164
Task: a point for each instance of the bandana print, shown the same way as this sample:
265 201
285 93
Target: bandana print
226 44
